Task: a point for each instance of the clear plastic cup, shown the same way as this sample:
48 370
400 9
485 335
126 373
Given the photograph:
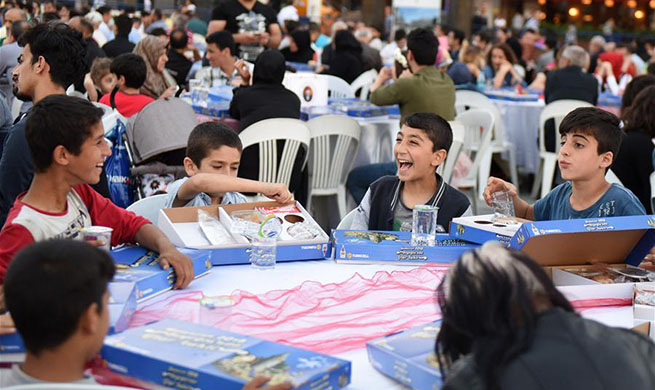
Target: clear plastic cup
424 225
263 252
503 206
97 233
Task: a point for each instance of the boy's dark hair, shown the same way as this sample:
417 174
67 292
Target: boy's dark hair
179 39
158 32
50 284
210 136
600 124
59 120
423 45
458 35
132 67
103 10
222 39
63 49
123 25
48 17
437 129
399 34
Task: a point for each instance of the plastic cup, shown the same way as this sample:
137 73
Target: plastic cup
503 206
263 253
97 233
424 225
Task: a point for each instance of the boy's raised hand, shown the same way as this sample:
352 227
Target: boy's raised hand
495 184
278 192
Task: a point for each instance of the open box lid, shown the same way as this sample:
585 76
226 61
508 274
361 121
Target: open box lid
587 241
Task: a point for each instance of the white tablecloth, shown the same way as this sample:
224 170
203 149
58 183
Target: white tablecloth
225 279
521 124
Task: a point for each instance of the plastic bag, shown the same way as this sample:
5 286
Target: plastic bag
117 167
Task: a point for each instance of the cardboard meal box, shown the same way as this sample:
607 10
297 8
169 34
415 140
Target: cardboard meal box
141 266
481 228
181 226
365 247
408 357
182 355
570 245
643 308
122 305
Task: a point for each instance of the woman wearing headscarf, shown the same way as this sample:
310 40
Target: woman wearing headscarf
266 98
159 83
346 61
299 49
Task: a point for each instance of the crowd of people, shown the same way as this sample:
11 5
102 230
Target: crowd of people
60 60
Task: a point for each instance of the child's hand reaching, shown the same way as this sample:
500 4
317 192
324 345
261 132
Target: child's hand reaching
278 192
495 184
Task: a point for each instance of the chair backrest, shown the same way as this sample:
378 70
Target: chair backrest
446 169
652 192
149 207
556 110
339 88
478 124
363 83
612 178
347 221
465 100
266 133
333 144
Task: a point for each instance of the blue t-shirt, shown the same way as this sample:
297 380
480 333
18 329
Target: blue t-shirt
618 201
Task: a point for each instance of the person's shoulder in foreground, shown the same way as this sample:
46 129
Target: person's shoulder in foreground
66 141
421 146
64 280
590 139
212 162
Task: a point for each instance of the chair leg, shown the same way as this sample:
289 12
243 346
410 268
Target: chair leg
549 172
341 201
484 171
474 199
537 178
308 207
512 167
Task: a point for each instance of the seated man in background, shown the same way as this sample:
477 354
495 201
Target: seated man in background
66 140
178 64
121 44
590 139
422 145
72 279
422 88
222 68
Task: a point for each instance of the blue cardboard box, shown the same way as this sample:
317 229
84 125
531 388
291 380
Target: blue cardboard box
180 224
360 247
481 228
122 305
182 355
583 241
140 266
408 357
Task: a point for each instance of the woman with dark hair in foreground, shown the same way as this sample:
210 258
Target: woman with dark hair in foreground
506 326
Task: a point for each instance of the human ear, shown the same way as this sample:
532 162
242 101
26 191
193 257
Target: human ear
606 159
439 157
190 167
90 320
60 155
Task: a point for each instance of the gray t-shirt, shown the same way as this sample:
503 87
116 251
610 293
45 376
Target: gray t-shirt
16 377
201 199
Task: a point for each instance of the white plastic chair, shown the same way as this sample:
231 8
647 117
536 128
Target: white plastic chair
652 192
363 83
347 221
470 99
338 88
266 133
446 169
149 207
334 143
612 178
556 110
72 92
479 126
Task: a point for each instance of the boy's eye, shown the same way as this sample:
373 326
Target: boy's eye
217 167
398 140
579 145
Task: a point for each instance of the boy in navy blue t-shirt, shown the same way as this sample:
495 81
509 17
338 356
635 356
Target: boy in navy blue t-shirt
590 138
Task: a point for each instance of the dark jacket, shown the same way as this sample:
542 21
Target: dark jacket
178 66
570 353
571 83
118 46
16 170
633 165
346 59
385 195
303 42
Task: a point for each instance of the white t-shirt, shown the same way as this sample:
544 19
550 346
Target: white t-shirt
16 377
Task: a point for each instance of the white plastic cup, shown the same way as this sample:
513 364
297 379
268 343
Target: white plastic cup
97 233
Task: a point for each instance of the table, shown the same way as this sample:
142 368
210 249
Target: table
225 279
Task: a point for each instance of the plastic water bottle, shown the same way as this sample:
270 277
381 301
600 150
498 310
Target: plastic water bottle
481 82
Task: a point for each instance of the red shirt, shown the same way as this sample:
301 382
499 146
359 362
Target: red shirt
127 104
85 207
